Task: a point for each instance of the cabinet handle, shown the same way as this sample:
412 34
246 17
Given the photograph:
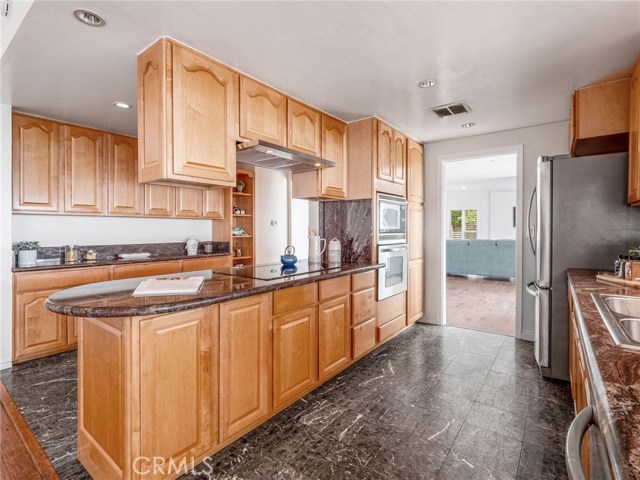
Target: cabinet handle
577 430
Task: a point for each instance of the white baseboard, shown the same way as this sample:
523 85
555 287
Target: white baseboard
5 364
528 336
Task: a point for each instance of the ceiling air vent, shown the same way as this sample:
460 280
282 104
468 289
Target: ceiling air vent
451 109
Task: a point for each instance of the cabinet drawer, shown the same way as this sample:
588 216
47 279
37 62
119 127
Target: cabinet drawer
364 306
390 308
334 287
389 329
360 281
196 264
294 298
364 338
60 279
146 269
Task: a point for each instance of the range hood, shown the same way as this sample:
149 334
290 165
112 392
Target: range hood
268 155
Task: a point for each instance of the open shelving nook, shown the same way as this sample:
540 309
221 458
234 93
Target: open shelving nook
243 203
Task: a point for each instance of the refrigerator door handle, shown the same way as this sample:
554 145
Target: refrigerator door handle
544 224
532 289
532 228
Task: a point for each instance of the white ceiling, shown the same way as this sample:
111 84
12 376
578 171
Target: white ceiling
514 63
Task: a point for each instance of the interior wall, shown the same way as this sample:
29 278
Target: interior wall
6 293
548 139
501 225
271 205
56 230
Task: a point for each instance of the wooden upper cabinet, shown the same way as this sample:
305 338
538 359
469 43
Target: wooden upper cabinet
187 116
263 112
83 169
245 363
305 125
126 195
415 172
189 202
415 230
399 158
634 138
386 151
159 200
334 148
601 116
213 206
36 165
415 291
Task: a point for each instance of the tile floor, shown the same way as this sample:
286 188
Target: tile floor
433 403
485 305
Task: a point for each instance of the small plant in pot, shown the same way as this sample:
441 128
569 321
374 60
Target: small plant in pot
240 186
27 253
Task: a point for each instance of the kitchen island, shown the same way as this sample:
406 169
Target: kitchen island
165 381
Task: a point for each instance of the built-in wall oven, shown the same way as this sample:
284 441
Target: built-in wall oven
392 245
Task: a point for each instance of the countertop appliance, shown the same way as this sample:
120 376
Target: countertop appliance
582 220
269 155
392 219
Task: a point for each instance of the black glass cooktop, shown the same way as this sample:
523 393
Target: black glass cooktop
276 270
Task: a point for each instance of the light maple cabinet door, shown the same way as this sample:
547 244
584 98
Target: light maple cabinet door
399 158
263 112
334 147
83 170
37 330
634 138
245 363
415 230
305 124
72 330
385 162
189 202
295 358
159 200
125 193
415 167
36 164
213 206
415 291
177 401
334 336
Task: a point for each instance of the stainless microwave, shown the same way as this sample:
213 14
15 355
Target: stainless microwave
392 219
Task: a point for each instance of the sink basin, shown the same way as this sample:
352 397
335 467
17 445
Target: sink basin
627 306
621 315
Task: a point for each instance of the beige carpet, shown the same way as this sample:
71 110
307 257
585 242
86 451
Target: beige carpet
486 305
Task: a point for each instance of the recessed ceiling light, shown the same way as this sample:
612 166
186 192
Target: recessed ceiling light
88 17
122 105
468 125
427 83
463 187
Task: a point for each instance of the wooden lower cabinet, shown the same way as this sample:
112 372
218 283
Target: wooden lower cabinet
364 338
245 361
295 356
38 330
334 336
177 385
72 331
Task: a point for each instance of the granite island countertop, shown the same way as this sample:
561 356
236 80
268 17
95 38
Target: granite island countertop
115 299
614 372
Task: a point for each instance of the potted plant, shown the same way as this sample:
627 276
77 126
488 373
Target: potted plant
27 253
240 185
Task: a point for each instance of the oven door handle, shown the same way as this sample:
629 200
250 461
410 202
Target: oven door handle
395 249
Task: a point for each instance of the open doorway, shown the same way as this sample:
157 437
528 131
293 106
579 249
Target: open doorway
480 228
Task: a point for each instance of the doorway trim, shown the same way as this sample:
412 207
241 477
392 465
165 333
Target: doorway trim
518 150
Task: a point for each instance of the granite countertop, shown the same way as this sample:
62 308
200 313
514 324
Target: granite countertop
115 299
614 373
58 264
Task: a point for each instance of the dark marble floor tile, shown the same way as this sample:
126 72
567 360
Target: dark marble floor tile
496 420
544 463
430 426
544 434
512 343
499 380
516 368
475 359
479 446
445 404
507 398
557 390
456 468
521 357
466 372
458 386
548 410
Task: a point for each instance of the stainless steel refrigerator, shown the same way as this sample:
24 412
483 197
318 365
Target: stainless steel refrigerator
582 220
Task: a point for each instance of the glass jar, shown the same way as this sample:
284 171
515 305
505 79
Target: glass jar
71 254
617 268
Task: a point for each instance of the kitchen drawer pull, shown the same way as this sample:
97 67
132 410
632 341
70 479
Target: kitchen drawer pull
577 430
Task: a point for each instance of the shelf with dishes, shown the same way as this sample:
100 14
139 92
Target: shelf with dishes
242 227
